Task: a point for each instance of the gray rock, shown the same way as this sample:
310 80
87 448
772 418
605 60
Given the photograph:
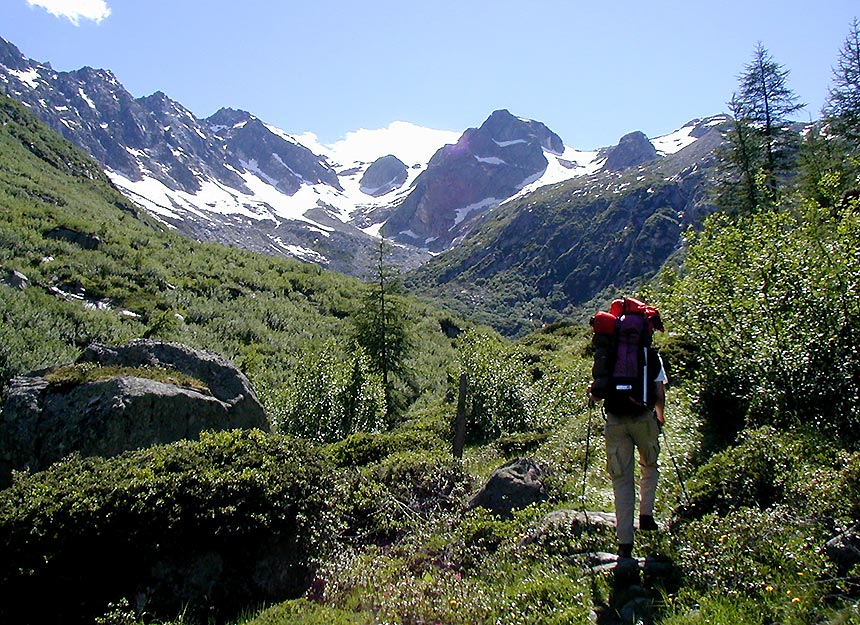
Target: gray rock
511 487
384 175
633 149
42 421
17 280
844 549
81 239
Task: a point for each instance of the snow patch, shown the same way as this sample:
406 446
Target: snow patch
504 144
674 142
462 213
87 99
374 229
31 77
214 198
303 253
490 160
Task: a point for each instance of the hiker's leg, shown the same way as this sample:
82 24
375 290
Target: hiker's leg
646 434
619 462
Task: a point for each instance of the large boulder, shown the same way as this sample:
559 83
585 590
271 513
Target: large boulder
46 416
844 550
513 486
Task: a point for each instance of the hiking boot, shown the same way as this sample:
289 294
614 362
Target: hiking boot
647 523
625 550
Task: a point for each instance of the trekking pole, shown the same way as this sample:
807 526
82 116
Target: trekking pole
592 572
677 469
587 453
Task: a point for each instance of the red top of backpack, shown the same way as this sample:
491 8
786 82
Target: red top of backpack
607 322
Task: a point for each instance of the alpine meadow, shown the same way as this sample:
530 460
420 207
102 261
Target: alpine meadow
421 448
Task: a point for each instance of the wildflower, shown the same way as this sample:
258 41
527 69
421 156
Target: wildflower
724 538
769 589
796 600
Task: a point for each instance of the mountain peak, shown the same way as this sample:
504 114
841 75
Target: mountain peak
504 127
633 149
228 118
11 56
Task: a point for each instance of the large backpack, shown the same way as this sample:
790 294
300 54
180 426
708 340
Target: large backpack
625 362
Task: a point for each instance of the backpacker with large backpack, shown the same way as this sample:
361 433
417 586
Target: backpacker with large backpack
625 362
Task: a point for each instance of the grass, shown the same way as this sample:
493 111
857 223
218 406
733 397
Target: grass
85 373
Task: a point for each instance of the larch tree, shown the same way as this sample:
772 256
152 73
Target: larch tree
762 145
842 109
380 326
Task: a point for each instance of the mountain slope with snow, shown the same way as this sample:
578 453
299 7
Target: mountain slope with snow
234 179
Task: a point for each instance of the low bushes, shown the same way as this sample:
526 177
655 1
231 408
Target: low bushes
206 528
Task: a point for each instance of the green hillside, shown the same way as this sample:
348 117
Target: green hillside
271 316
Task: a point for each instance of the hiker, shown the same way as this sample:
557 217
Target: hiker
633 426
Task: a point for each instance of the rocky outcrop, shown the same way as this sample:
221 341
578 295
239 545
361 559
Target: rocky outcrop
844 549
486 166
252 145
567 521
386 174
46 418
16 280
633 149
512 486
81 239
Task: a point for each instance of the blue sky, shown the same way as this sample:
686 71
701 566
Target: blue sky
592 72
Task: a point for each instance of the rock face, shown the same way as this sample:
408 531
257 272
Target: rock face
43 421
250 144
633 149
383 176
17 280
486 166
512 486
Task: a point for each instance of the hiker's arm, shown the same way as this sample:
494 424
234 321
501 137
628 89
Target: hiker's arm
661 401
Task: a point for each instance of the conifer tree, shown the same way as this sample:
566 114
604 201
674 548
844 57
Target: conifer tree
761 143
380 327
842 109
738 190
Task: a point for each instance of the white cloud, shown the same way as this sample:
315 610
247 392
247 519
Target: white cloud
75 10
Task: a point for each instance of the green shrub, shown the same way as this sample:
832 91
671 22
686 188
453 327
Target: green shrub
514 389
767 301
333 396
206 527
749 550
771 467
304 612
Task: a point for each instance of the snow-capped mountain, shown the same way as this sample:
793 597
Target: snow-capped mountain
234 179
